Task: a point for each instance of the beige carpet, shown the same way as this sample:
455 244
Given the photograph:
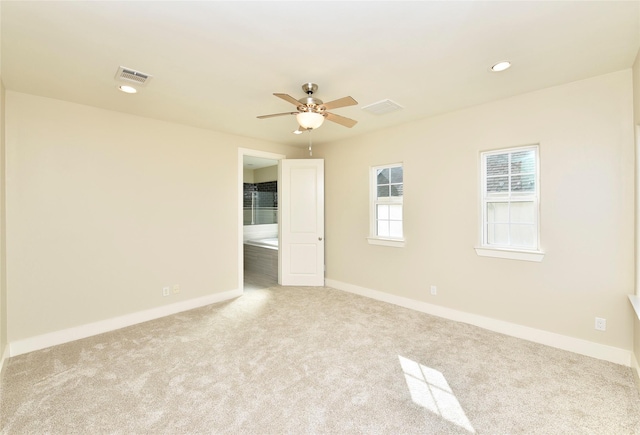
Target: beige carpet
313 360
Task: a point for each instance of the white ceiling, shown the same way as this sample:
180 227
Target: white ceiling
215 65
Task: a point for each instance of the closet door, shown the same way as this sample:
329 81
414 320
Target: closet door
301 195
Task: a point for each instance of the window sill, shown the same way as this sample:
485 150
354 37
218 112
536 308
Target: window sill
511 254
396 243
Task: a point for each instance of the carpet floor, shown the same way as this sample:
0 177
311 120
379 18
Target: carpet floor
303 360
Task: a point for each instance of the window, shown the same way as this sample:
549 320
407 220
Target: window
510 200
387 186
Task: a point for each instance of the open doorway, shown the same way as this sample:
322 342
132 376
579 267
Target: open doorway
259 215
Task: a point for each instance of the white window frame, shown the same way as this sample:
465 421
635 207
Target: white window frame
373 238
508 251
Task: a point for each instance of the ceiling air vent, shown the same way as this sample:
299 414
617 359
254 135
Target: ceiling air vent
382 107
132 76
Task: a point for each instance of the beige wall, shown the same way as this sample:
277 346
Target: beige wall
104 209
587 215
263 175
3 275
636 112
3 286
247 175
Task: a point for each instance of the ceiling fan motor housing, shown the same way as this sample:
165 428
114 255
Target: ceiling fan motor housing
310 104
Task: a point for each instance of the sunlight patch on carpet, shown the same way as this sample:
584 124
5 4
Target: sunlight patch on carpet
251 303
429 389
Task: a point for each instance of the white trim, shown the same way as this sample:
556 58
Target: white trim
253 153
571 344
635 302
510 254
396 243
76 333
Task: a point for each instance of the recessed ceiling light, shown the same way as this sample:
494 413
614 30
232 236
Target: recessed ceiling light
501 66
128 89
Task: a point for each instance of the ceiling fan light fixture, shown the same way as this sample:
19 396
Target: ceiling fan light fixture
309 120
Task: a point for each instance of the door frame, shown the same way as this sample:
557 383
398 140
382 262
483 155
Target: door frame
253 153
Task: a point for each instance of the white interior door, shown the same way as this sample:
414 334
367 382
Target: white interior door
301 195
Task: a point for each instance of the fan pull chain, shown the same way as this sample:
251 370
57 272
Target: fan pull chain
310 152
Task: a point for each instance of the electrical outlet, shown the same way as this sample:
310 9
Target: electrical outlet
165 291
176 288
434 290
601 324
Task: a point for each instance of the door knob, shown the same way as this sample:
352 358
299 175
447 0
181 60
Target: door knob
320 238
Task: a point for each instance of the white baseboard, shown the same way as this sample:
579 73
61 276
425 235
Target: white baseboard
576 345
66 335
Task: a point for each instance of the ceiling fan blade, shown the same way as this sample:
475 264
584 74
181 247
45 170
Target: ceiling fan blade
341 102
289 98
347 122
277 114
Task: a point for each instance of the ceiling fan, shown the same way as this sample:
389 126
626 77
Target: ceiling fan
312 111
